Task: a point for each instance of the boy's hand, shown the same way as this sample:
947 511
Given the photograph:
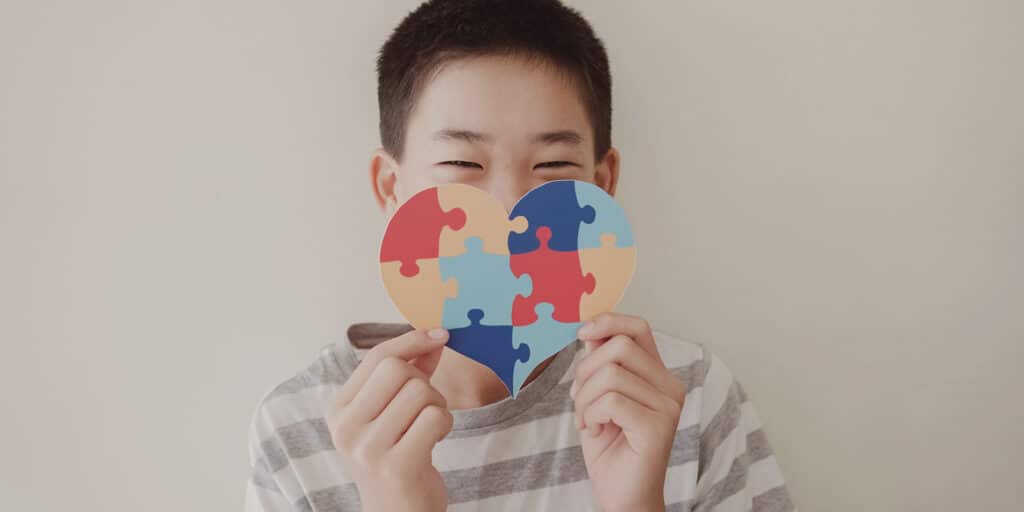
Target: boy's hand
628 404
385 421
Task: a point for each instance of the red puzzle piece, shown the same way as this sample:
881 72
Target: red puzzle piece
415 230
557 279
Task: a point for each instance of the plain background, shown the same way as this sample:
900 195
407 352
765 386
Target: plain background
826 193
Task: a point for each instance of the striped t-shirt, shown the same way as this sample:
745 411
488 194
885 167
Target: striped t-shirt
522 453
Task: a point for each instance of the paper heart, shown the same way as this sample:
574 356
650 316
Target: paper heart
511 288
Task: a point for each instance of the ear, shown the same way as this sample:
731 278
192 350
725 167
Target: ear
383 176
606 173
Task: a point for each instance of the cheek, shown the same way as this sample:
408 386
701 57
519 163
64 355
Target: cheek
412 179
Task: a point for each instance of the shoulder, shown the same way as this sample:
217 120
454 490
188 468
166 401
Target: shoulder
691 362
304 395
736 466
714 394
289 441
290 414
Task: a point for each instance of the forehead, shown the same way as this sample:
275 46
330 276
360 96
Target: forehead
505 96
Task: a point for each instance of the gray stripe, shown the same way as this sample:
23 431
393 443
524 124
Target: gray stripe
776 499
733 482
338 497
557 467
721 425
296 441
679 506
684 446
757 445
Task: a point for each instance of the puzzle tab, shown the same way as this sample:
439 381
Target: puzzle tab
414 232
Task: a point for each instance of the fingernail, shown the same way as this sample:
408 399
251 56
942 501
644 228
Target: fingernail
437 334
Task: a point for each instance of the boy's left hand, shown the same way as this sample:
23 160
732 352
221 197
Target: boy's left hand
627 404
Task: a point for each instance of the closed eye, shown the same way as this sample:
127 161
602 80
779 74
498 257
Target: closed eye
557 164
460 163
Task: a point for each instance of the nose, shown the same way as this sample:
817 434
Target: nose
508 186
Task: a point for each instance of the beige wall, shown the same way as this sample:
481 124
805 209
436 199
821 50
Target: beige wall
827 193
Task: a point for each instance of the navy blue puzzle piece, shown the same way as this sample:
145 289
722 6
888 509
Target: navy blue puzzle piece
490 345
553 204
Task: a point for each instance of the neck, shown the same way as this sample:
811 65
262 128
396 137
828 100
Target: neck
466 384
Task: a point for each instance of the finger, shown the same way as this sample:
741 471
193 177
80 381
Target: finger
606 325
398 415
617 408
432 424
625 352
613 377
427 363
389 376
408 346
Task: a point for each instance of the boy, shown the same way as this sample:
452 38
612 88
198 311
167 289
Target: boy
505 95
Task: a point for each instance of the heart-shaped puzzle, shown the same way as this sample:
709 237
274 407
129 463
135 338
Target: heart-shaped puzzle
511 288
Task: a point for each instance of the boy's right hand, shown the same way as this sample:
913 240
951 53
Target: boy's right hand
386 419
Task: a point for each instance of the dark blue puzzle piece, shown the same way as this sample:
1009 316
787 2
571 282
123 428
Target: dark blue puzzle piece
553 204
490 345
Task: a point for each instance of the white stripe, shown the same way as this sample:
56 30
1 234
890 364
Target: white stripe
307 404
680 482
749 417
764 475
716 390
691 413
318 471
574 496
676 352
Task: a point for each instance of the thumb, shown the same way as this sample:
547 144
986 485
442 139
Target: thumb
427 362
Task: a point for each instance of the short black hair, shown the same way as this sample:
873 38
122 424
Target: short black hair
440 31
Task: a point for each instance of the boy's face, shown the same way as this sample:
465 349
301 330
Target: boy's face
497 123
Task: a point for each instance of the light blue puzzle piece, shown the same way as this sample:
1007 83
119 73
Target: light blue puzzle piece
609 218
545 337
486 282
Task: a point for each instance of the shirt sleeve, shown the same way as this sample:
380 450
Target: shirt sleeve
737 469
262 490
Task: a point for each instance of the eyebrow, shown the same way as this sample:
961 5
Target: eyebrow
571 137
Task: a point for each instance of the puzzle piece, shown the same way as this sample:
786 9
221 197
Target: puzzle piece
414 231
609 218
485 282
490 345
420 298
554 205
557 279
545 337
486 218
612 267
